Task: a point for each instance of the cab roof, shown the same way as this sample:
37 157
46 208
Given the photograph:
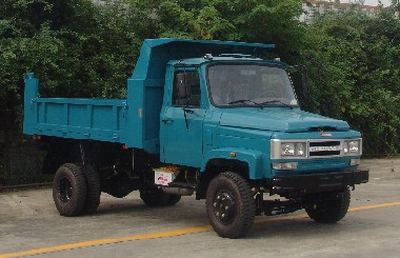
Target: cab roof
228 59
156 53
237 44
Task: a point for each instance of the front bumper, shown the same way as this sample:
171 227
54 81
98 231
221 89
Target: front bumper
320 182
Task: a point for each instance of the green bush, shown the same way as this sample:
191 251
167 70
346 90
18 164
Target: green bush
75 47
78 48
353 64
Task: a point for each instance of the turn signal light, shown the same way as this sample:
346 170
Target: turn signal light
284 166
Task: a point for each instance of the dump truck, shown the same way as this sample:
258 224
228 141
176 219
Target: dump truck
209 118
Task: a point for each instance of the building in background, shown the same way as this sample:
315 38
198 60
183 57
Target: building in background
314 7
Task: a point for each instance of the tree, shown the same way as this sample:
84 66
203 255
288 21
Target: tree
353 65
269 21
77 48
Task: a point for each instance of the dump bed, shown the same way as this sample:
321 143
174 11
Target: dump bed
134 121
95 119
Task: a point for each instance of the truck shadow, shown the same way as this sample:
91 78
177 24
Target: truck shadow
299 228
191 212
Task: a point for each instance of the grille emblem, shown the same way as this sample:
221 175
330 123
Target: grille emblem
325 134
324 148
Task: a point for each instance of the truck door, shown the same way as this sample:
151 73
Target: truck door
181 126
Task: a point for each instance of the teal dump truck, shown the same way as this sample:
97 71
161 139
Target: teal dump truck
208 118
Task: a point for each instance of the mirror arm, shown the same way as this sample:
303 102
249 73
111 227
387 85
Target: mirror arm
187 110
186 120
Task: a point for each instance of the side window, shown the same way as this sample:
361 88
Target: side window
186 91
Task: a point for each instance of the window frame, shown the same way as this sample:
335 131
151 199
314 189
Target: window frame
189 105
260 63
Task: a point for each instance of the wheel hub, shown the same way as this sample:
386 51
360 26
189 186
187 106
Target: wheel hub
224 207
65 190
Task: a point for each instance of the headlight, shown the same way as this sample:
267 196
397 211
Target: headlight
352 147
281 149
288 149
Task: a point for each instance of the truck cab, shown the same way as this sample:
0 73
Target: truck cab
208 117
241 108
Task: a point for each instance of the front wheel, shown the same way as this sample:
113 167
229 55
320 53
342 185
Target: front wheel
329 207
230 205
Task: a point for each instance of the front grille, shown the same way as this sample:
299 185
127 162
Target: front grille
324 148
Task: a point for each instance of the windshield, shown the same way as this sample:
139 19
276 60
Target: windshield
250 85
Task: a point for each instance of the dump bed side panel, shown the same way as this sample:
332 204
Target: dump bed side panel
94 119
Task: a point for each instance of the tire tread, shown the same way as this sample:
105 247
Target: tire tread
332 209
75 208
93 190
157 198
247 203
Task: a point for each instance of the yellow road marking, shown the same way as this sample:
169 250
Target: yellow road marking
162 234
375 206
106 241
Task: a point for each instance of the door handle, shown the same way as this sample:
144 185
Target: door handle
167 120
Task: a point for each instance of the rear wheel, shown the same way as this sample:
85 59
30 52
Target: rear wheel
329 207
69 190
118 186
156 197
93 190
173 199
230 205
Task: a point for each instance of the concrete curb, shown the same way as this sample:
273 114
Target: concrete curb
388 168
12 188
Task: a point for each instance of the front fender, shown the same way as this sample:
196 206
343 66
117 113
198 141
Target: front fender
253 158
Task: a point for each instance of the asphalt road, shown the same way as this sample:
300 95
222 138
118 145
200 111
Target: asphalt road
30 225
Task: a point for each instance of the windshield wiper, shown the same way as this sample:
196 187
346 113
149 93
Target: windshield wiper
276 101
246 100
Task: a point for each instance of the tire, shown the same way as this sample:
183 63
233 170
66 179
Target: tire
93 190
156 197
230 205
173 199
69 190
329 207
117 186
